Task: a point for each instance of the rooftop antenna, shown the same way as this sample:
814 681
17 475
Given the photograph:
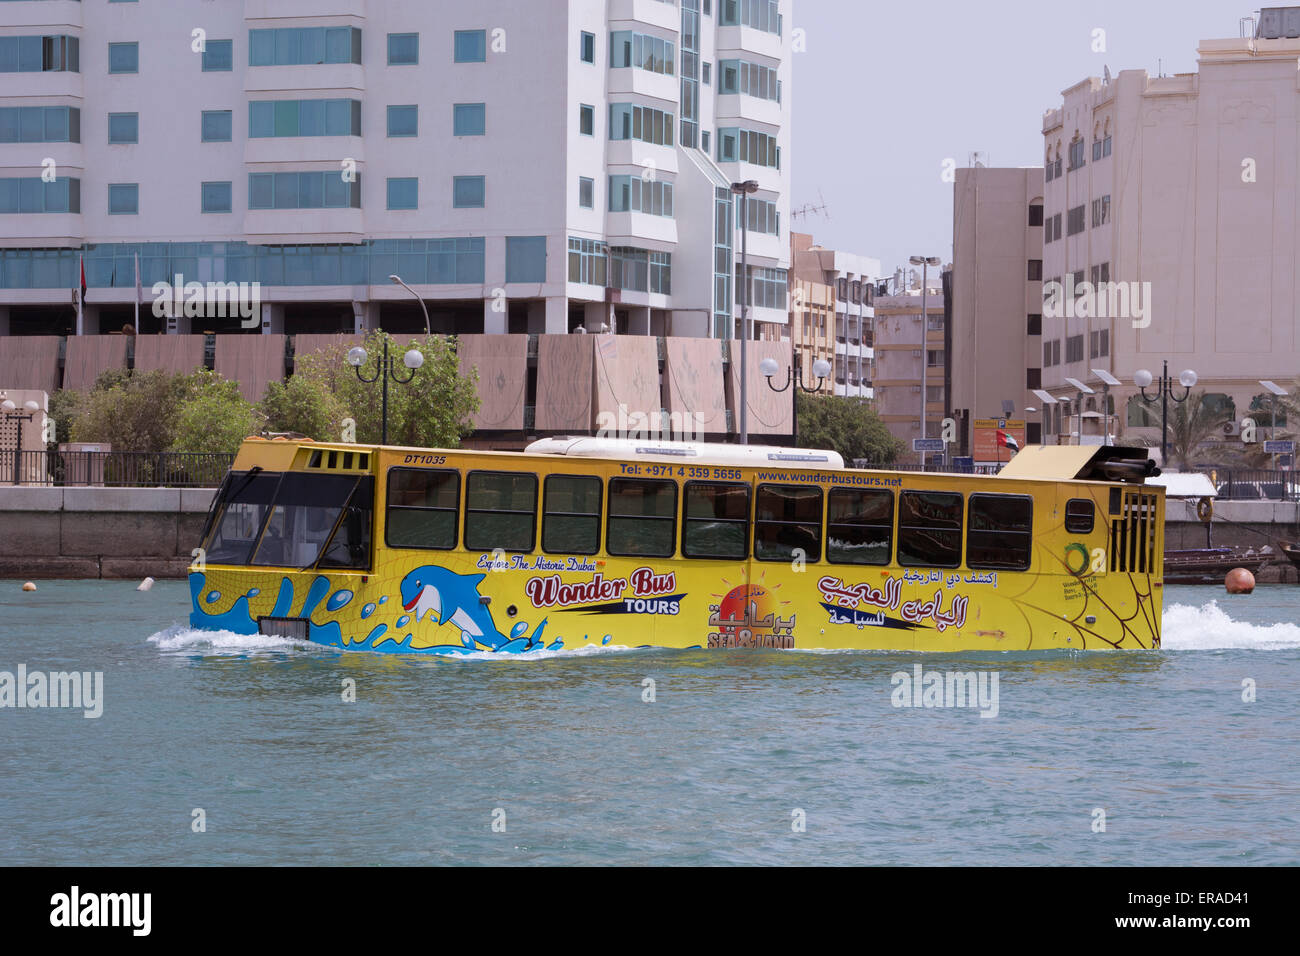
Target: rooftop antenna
978 159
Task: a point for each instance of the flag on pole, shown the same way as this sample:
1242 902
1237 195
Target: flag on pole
1007 441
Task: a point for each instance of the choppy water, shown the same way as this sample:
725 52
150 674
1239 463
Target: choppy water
255 733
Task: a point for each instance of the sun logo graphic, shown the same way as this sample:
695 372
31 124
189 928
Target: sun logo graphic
747 617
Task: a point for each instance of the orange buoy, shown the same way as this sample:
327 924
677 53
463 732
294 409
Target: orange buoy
29 586
1239 581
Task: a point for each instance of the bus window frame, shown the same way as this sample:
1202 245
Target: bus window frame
600 511
892 525
455 512
821 522
465 508
1092 516
1029 552
672 516
898 526
748 521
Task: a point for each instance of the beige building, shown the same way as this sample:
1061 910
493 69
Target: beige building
909 350
997 297
1181 191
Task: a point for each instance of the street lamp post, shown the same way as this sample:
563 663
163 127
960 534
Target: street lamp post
13 415
794 375
1165 391
398 281
1275 391
743 190
387 368
924 262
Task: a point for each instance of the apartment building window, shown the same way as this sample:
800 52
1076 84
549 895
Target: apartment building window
314 190
759 14
216 197
588 259
470 46
304 46
586 119
1048 174
219 56
1099 343
216 126
748 146
639 270
1035 324
706 74
123 128
768 287
1052 228
1035 273
1078 283
124 57
704 140
1096 150
1101 211
1056 351
934 393
1076 154
587 45
403 192
40 124
525 258
1036 214
1074 221
1074 348
31 194
934 323
468 192
934 358
123 199
403 121
1099 274
269 118
630 121
750 79
403 49
1105 146
634 194
1033 378
586 192
40 54
763 217
1047 355
640 50
469 119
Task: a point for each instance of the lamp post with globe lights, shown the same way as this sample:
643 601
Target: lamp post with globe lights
1164 391
11 414
794 375
385 370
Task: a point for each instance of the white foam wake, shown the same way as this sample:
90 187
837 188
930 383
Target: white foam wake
1208 627
182 638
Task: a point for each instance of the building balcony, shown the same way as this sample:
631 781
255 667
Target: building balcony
654 89
733 109
654 12
294 226
54 83
742 39
52 16
54 229
641 231
290 9
636 156
313 78
296 150
763 249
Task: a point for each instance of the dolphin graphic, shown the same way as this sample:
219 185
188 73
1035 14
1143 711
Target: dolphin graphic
452 598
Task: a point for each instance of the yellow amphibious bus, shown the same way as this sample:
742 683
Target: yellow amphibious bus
581 542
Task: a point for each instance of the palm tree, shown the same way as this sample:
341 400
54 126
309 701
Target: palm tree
1190 425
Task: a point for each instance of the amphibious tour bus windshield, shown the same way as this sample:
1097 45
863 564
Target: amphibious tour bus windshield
291 520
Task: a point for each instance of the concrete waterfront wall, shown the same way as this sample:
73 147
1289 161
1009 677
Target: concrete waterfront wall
100 532
138 532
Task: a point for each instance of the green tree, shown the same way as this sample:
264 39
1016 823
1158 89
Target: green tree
433 410
134 411
303 405
214 417
1192 423
849 426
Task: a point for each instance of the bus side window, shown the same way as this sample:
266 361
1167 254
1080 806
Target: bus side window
859 526
642 517
786 518
929 529
500 511
1080 513
423 505
571 514
1000 532
715 520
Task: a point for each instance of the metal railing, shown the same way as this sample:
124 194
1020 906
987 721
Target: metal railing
929 466
1253 484
114 469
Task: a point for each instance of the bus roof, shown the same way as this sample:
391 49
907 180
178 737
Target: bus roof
710 453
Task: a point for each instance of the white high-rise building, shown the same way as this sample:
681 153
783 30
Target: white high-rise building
524 167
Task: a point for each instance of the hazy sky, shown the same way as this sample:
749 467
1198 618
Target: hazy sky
864 144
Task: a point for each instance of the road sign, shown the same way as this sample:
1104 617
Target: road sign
963 463
1279 447
927 444
985 434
